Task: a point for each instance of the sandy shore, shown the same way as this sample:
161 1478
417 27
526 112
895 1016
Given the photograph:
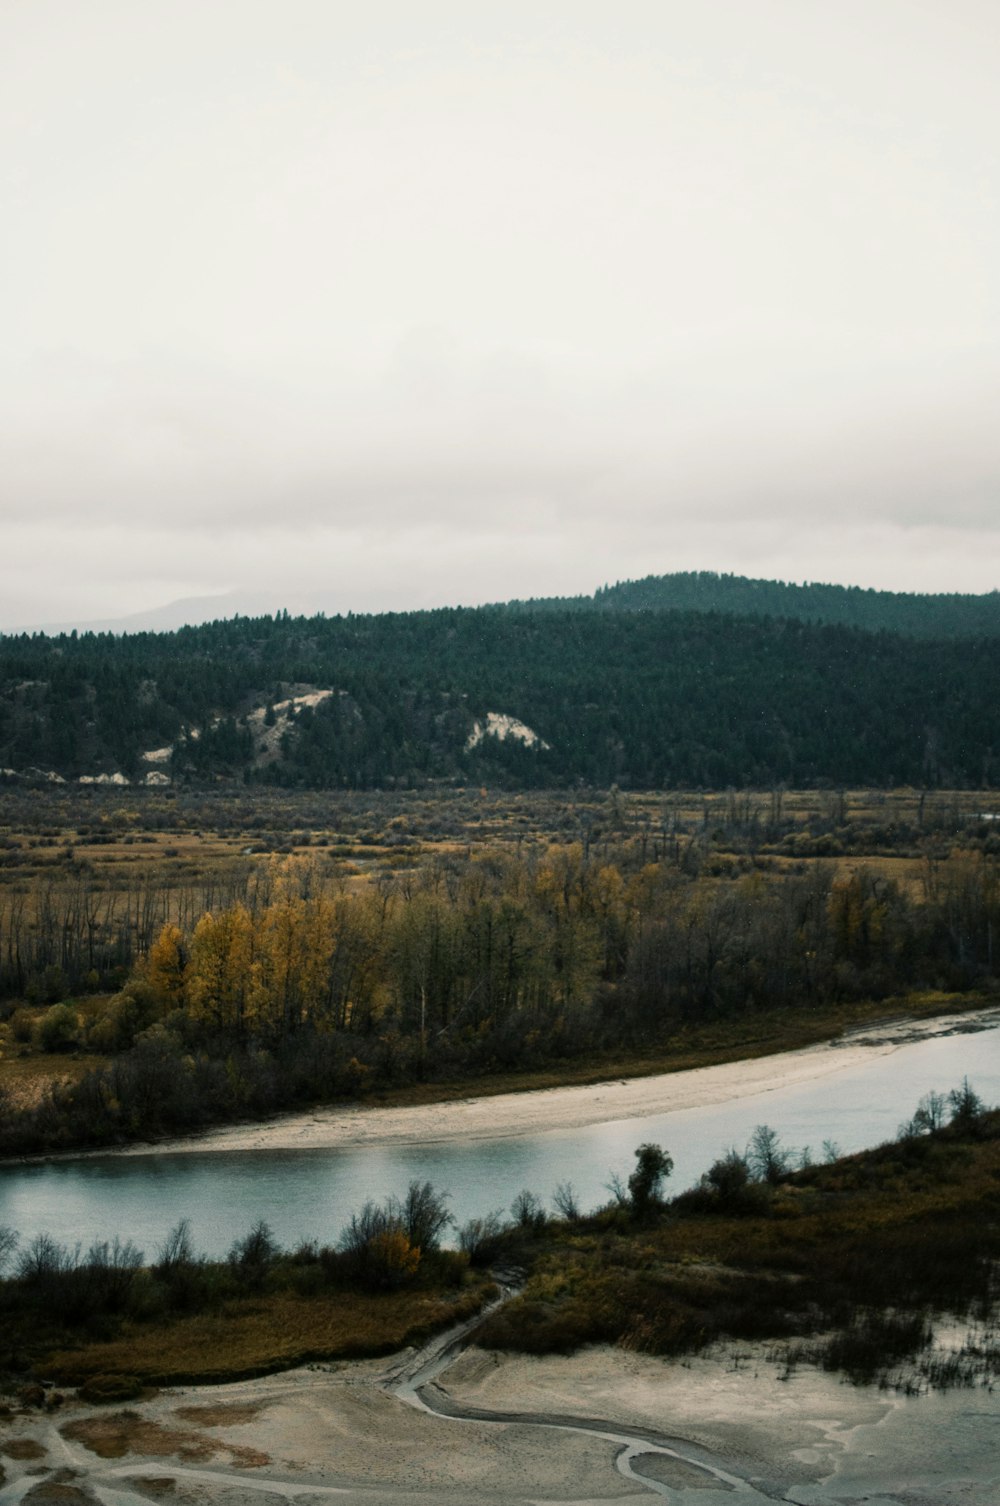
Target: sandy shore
731 1428
569 1108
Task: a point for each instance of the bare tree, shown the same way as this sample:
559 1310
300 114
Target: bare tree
765 1157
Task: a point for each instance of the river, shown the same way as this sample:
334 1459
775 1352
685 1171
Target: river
311 1192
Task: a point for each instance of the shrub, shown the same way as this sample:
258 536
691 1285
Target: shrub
58 1029
376 1247
391 1259
527 1211
566 1202
967 1109
110 1388
872 1341
729 1175
22 1025
8 1244
728 1188
481 1239
251 1257
178 1270
176 1250
930 1113
123 1018
423 1215
653 1166
111 1270
54 986
765 1157
44 1261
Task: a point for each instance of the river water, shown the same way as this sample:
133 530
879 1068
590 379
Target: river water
312 1193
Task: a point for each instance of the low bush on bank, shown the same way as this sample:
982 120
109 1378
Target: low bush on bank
108 1313
249 1337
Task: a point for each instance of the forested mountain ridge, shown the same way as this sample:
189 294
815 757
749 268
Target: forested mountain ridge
643 699
919 615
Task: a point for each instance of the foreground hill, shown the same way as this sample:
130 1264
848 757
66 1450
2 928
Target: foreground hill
644 699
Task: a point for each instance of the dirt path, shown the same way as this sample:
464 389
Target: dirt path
640 1449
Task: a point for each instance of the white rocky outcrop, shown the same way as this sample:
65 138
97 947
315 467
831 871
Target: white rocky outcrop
267 739
498 725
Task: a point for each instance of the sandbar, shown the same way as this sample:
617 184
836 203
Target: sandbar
492 1116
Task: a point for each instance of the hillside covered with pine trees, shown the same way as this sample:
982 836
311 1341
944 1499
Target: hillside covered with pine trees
671 681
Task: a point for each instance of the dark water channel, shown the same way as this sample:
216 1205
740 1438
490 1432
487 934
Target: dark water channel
311 1193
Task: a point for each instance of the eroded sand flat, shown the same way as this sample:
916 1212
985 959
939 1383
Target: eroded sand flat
313 1436
742 1431
810 1438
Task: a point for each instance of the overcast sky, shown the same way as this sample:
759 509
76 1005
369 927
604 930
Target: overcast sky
411 302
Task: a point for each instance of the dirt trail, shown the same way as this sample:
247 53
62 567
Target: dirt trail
416 1383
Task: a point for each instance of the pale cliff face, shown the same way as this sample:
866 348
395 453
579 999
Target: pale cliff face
504 727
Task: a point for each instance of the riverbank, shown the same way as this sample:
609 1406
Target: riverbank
31 1077
487 1117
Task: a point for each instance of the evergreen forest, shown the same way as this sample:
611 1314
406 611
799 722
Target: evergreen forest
633 692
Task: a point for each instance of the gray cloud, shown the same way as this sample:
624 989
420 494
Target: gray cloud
195 457
458 305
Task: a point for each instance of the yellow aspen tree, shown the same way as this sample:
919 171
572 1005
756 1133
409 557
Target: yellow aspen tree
220 973
370 993
164 966
319 932
297 939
